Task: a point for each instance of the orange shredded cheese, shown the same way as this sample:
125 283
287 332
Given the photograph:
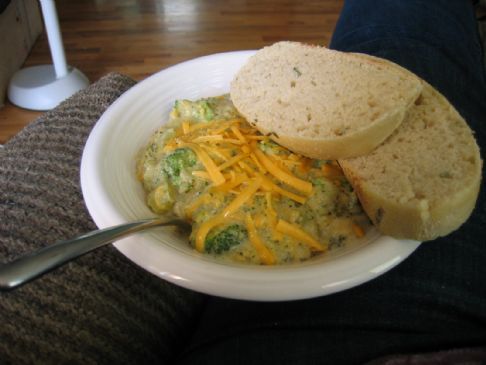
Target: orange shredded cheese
233 183
262 169
235 164
223 126
243 197
257 138
240 199
186 127
283 176
233 141
305 165
208 138
220 153
216 175
331 170
271 217
358 230
246 167
270 186
265 254
238 134
299 234
232 161
190 209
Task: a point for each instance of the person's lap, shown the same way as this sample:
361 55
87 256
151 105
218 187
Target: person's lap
436 299
438 40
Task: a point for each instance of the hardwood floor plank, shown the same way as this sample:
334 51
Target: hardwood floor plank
139 38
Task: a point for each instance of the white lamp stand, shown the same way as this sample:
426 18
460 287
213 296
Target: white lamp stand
44 87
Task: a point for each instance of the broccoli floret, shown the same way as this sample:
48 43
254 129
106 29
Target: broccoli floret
220 240
321 183
174 165
270 147
317 164
204 110
200 111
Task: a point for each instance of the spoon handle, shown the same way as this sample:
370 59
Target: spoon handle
33 265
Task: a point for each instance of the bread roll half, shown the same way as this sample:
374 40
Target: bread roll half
424 180
322 103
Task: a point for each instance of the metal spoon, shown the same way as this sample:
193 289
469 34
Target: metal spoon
37 263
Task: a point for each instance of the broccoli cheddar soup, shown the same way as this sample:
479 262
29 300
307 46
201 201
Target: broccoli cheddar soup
248 199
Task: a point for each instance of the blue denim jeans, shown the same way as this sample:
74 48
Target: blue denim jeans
434 300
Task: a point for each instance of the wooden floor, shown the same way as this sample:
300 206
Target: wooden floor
140 37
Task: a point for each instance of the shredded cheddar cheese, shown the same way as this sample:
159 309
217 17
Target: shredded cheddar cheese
283 176
331 170
232 161
242 178
296 232
265 254
224 215
358 230
244 196
208 163
186 127
238 134
209 138
270 186
232 183
196 204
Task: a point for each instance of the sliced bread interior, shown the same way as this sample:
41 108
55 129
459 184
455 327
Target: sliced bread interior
423 181
320 102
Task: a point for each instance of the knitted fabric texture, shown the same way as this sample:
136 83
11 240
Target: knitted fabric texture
110 311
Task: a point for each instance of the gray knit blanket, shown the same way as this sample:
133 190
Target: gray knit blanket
101 308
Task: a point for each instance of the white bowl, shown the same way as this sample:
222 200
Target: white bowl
114 196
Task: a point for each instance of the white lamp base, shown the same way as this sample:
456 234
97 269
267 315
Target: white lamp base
38 88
